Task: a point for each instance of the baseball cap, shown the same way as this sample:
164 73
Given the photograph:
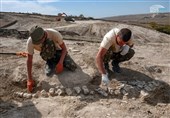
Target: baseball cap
36 34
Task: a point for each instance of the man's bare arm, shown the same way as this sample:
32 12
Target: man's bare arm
99 60
64 52
29 66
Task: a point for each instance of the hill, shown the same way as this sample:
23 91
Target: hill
159 22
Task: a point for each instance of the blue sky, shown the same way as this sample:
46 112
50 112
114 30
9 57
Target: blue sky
89 8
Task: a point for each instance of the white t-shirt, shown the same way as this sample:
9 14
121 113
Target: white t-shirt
109 40
52 35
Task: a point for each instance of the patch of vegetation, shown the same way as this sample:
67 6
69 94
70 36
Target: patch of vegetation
81 17
160 28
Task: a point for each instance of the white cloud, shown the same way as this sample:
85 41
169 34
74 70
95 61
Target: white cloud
155 8
9 1
46 1
39 1
27 6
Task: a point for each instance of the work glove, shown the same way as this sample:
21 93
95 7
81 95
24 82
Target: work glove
30 84
125 50
59 68
105 79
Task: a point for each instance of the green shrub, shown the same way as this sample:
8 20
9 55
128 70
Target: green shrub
153 24
164 29
160 28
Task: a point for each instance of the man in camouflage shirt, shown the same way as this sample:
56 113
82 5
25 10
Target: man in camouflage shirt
116 46
49 43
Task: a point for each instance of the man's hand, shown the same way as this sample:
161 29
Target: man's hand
59 68
105 79
30 84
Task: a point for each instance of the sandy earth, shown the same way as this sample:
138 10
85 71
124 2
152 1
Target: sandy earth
151 62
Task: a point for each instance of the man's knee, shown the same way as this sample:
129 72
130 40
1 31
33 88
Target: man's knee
126 57
130 54
69 63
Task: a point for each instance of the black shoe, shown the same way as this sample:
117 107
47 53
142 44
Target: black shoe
48 69
116 67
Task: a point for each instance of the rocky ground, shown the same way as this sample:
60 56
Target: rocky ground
141 90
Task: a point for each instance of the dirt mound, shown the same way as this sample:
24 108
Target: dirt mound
14 33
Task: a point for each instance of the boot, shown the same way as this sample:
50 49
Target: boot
116 68
49 68
108 71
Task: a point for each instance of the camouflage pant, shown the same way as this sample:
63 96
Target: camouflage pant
117 57
68 61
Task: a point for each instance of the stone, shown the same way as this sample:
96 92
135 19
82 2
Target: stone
104 87
110 91
127 88
140 84
74 50
27 95
152 86
124 82
156 83
159 70
144 93
125 96
59 92
44 93
85 90
91 92
154 69
120 86
134 83
117 92
101 92
146 87
35 95
123 92
57 87
69 91
15 94
52 91
19 94
130 90
39 85
77 89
